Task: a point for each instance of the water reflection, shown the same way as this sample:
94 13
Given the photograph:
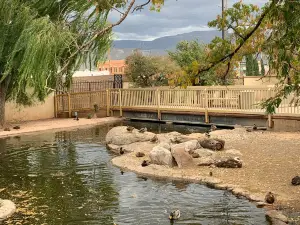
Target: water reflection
67 178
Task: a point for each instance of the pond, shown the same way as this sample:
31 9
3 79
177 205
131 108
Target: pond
67 178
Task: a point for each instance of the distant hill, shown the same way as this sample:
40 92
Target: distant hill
122 48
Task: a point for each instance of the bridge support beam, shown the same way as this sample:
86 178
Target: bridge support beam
206 116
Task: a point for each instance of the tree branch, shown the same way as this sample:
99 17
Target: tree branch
140 7
230 26
96 35
231 55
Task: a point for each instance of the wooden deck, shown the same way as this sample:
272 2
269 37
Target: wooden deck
244 101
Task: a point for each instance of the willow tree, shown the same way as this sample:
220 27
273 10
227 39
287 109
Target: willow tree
43 41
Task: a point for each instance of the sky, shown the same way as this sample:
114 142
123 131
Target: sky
175 17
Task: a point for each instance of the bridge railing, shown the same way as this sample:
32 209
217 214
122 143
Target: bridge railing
216 99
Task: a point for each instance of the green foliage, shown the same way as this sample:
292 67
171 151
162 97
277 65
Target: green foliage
273 30
89 116
38 38
262 66
252 68
147 71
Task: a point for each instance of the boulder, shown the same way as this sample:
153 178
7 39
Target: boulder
182 158
120 136
172 138
276 215
165 145
296 181
204 152
7 208
189 146
161 156
229 162
206 161
115 148
213 144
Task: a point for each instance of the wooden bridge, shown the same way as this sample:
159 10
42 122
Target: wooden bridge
228 101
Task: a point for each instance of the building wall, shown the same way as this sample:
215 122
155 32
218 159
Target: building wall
16 113
258 80
113 66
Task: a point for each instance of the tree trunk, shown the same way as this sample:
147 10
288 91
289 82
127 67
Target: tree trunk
2 105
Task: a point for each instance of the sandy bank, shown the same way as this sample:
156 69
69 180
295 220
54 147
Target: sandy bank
55 124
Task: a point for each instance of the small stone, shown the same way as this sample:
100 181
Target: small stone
229 163
16 127
195 155
6 129
140 154
296 181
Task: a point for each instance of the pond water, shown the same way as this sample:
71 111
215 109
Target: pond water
67 178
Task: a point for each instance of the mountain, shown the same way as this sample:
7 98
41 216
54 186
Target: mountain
122 48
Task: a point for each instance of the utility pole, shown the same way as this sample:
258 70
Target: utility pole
224 7
223 30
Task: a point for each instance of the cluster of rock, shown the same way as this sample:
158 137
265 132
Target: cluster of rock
174 149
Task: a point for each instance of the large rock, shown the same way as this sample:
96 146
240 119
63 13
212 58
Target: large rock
172 138
165 145
120 136
204 152
213 144
182 158
161 156
7 208
229 162
276 215
189 146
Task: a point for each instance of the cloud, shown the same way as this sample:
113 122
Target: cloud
176 17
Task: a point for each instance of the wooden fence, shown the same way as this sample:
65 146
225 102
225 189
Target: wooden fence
231 99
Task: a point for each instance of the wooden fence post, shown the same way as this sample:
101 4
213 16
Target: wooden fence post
120 103
270 121
206 107
107 102
69 105
55 105
158 104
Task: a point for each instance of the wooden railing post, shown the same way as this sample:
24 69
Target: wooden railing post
158 104
69 105
55 105
206 107
120 103
107 102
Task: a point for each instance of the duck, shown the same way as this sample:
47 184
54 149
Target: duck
174 215
254 127
154 139
270 198
207 134
129 129
145 163
122 151
122 172
143 130
213 127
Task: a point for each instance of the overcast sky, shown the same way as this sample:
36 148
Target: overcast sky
176 17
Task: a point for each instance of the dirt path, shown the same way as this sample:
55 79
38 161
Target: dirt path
55 124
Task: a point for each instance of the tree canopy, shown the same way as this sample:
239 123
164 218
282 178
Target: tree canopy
147 71
44 41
